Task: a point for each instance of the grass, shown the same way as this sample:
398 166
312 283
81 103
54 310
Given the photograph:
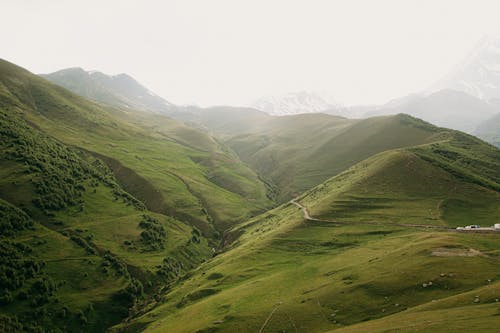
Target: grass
274 271
185 172
300 152
399 186
281 273
106 223
476 318
85 265
317 277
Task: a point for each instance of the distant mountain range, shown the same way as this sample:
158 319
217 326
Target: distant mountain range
295 103
118 90
479 74
446 108
467 100
121 220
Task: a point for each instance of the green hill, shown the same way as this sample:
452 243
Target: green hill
77 250
98 205
299 152
453 182
173 169
117 90
379 266
296 153
110 218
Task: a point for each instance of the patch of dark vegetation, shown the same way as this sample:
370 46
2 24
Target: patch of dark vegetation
154 235
214 276
170 269
83 243
338 244
60 174
272 191
465 157
13 220
195 235
10 324
119 266
379 232
196 295
132 292
17 267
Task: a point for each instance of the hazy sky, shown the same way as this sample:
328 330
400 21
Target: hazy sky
231 52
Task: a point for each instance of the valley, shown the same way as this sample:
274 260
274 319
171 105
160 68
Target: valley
119 215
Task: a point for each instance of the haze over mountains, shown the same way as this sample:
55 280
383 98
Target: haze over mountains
479 74
119 90
466 100
115 216
294 103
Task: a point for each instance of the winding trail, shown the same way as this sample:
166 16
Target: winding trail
308 217
267 320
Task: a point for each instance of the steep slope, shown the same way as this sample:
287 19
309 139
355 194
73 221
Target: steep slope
281 272
299 152
118 90
295 153
453 182
172 168
78 252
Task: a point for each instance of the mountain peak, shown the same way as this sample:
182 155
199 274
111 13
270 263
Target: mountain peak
295 103
120 90
478 74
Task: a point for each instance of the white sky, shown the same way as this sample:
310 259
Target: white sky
211 52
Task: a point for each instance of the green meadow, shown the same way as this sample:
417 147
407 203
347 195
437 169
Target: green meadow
114 219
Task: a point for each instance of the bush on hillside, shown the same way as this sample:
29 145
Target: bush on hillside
154 235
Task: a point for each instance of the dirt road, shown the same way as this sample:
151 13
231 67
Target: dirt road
308 217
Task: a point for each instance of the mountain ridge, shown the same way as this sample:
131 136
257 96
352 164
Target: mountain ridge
120 90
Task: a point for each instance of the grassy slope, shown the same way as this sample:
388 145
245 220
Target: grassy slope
315 277
285 274
100 213
452 183
300 152
186 173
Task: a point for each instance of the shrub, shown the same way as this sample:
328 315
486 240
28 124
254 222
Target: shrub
154 235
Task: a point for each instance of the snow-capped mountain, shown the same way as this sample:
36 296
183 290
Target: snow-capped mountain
479 74
120 90
295 103
448 108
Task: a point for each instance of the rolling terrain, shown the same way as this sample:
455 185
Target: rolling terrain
117 217
172 168
365 261
101 208
295 153
299 152
77 250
